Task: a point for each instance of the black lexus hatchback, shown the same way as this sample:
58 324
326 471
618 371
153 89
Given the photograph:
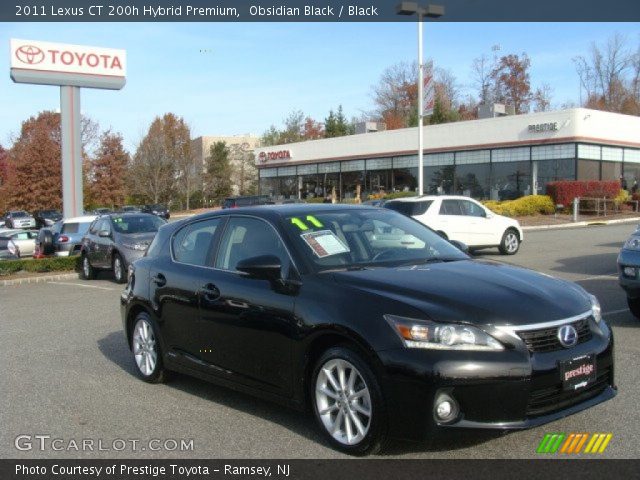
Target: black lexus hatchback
379 325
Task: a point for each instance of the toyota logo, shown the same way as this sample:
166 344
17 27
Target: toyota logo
262 157
567 336
29 54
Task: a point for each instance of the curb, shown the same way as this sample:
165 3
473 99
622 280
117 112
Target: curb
582 224
39 279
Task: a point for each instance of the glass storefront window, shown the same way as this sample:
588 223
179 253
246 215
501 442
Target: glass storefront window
350 183
439 179
510 180
588 170
551 152
472 180
405 179
378 182
611 170
589 152
329 181
269 186
552 170
289 187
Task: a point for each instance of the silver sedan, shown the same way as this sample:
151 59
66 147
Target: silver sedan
25 240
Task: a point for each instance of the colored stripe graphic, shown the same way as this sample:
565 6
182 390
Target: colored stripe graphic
573 443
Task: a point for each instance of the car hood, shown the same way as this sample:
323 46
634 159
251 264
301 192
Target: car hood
480 292
146 237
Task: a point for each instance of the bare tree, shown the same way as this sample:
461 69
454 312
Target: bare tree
481 69
244 172
396 95
542 98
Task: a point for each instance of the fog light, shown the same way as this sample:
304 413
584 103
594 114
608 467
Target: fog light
446 408
629 272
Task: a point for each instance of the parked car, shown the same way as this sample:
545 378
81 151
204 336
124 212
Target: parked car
25 240
64 238
463 219
8 249
246 201
46 218
629 271
157 209
114 241
19 219
318 305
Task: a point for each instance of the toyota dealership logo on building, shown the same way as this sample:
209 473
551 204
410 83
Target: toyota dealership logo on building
30 54
280 155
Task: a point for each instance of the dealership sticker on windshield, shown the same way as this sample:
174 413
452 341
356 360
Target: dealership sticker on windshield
324 243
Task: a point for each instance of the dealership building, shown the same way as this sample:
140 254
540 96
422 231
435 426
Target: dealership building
493 158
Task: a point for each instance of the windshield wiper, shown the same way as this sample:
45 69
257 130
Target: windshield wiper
423 261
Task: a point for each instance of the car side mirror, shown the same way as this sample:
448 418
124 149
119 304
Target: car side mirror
104 233
460 245
264 267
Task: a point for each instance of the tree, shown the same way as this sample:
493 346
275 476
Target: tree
270 137
312 130
336 125
218 172
35 156
396 95
293 127
4 178
245 174
511 81
481 75
154 167
109 170
542 98
609 76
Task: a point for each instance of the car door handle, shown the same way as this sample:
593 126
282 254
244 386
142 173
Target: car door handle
210 292
159 279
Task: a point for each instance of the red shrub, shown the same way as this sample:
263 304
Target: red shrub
564 191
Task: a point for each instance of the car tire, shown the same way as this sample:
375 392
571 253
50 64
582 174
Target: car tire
119 269
88 272
634 306
510 243
351 413
146 350
46 245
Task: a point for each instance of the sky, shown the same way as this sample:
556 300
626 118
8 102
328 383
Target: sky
239 78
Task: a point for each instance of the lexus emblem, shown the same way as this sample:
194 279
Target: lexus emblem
567 336
30 54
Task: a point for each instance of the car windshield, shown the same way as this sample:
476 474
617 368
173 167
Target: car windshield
137 224
18 214
360 238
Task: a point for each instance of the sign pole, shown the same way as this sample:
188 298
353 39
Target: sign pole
72 200
420 109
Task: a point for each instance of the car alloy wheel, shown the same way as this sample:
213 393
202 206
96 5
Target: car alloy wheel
144 347
510 243
87 270
118 269
343 401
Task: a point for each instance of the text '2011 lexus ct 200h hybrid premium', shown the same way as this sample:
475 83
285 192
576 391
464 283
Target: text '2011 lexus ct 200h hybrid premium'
370 319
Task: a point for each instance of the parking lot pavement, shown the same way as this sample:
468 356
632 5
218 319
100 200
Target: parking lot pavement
67 373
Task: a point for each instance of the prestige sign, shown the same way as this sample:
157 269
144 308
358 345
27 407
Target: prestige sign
543 127
63 64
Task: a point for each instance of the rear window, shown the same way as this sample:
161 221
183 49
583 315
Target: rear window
409 208
18 214
75 227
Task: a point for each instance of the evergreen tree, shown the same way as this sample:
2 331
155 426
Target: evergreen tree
218 172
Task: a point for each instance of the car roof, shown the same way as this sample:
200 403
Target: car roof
429 197
83 219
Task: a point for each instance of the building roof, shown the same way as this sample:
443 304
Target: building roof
573 125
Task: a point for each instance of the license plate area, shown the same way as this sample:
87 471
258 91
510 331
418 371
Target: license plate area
578 372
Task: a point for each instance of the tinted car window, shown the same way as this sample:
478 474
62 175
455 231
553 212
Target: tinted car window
191 243
18 214
451 207
248 237
409 208
70 228
472 209
137 224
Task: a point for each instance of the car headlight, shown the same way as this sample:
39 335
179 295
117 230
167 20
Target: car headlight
135 246
632 243
441 336
596 310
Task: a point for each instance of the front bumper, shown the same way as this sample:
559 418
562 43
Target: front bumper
510 389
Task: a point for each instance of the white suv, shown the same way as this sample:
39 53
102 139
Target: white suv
462 219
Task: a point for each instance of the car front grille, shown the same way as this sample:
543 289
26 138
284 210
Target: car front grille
546 339
550 399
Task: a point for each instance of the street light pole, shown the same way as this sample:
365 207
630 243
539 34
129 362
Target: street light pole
420 107
431 11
